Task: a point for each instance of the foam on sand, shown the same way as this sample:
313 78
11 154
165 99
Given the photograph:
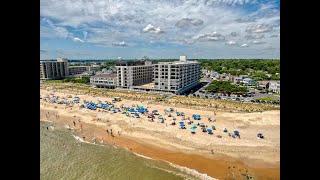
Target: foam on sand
186 170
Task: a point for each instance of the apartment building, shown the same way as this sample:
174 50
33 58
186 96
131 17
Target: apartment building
53 69
74 70
108 80
177 76
133 73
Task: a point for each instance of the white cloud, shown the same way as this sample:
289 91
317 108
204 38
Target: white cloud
188 22
254 36
122 44
259 28
231 43
151 29
258 42
244 45
76 39
214 36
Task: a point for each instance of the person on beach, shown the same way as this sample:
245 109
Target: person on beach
74 123
107 131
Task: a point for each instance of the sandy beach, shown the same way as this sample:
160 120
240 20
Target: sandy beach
222 158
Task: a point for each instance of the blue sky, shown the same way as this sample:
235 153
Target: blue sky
104 29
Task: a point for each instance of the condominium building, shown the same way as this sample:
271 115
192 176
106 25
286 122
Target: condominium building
133 73
53 69
74 70
177 76
108 80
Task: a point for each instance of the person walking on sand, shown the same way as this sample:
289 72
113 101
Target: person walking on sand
74 123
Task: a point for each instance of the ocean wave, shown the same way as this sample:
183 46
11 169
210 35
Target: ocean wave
146 157
83 141
186 170
192 172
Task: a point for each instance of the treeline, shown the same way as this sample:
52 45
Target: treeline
258 69
226 87
82 80
108 64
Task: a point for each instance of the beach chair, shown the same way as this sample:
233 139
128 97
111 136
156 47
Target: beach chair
260 135
225 130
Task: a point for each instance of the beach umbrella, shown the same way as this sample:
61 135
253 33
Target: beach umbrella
193 126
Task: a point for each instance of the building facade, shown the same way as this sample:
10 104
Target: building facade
51 69
74 70
176 77
104 80
133 73
274 86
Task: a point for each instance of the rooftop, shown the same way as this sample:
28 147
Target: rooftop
105 75
179 62
131 63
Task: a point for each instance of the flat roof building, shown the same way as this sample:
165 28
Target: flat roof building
104 80
133 73
177 76
54 69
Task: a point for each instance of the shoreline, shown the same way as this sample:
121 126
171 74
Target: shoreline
160 144
217 167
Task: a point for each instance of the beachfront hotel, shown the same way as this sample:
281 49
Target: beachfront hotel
54 69
177 76
133 73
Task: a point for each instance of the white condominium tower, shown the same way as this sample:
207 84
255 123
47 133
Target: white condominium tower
133 73
176 76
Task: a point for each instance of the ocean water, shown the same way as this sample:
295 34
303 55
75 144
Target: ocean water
63 157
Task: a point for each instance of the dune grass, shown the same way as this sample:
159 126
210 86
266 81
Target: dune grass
177 101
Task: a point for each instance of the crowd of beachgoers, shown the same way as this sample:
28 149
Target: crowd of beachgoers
170 116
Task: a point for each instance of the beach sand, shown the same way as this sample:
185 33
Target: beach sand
231 157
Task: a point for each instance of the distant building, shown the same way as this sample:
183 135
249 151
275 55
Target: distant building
248 81
133 73
104 80
274 86
176 76
237 80
94 68
263 85
53 69
74 70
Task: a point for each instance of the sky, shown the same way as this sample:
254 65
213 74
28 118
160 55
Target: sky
132 29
